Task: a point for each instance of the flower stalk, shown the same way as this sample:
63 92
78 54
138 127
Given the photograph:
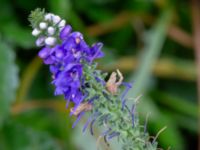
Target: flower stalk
75 75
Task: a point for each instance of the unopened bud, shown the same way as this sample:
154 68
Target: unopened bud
43 25
56 19
50 41
40 41
51 30
36 32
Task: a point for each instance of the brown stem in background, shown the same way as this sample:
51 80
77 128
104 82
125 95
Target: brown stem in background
175 33
180 36
196 38
27 78
27 105
164 68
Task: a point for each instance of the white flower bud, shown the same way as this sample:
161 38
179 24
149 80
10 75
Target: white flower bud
50 41
48 17
62 24
56 19
51 30
40 41
43 25
36 32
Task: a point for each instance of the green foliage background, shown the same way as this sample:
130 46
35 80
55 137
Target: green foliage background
150 41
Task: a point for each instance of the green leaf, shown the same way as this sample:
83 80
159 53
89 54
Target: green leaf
8 79
154 43
173 102
158 120
41 120
60 7
17 35
15 136
64 9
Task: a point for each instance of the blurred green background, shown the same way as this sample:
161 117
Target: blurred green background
150 41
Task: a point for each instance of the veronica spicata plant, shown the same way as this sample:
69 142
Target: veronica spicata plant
74 74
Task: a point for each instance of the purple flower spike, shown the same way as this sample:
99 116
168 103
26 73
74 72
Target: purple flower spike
65 60
65 32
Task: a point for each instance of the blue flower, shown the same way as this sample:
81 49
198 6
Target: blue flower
65 61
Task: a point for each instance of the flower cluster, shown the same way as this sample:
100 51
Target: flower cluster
65 57
75 76
47 29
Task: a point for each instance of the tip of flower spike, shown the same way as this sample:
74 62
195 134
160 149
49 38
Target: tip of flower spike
46 25
36 16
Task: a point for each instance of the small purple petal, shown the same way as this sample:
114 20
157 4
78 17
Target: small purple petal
40 41
44 52
113 134
95 51
78 119
87 123
49 60
128 87
106 132
100 80
65 32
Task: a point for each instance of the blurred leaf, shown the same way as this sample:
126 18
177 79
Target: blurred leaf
17 35
183 120
154 42
25 6
14 136
174 102
95 12
6 11
81 139
28 76
60 7
98 14
124 35
139 5
179 109
158 120
56 124
64 9
8 79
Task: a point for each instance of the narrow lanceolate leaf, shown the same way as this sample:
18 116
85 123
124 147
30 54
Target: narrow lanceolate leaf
154 43
8 79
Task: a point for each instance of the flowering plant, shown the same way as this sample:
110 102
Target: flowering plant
75 75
